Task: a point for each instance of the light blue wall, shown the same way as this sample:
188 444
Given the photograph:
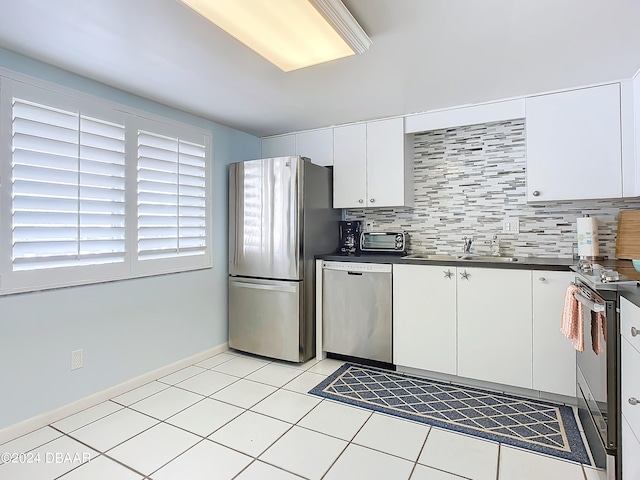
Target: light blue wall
126 328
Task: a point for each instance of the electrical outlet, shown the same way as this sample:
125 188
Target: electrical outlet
76 359
511 225
368 226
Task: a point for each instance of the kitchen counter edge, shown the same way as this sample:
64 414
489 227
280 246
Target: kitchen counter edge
523 263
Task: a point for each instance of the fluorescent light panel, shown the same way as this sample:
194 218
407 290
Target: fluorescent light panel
291 34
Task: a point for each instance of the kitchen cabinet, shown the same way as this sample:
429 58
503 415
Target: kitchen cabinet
317 145
494 325
424 317
573 145
630 449
490 324
630 359
630 103
372 165
278 146
554 358
461 116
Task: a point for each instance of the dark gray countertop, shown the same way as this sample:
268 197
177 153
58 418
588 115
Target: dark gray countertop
631 294
523 263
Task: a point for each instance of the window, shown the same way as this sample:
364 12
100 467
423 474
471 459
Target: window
68 188
96 193
171 197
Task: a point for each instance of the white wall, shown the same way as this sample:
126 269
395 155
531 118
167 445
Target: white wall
126 328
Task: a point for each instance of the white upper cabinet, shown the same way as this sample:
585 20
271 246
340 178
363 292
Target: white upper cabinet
631 137
372 165
316 145
461 116
350 166
573 143
279 146
554 358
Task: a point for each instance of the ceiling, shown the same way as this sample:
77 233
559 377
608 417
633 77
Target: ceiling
426 54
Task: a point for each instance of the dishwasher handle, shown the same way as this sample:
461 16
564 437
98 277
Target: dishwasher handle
354 273
357 267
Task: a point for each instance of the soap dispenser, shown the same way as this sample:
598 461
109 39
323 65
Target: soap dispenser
495 246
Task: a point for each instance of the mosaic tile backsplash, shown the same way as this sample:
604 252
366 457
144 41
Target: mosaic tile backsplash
468 179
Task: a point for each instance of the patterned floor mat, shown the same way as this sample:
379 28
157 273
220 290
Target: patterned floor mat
535 425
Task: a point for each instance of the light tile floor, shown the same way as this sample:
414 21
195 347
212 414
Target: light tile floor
234 416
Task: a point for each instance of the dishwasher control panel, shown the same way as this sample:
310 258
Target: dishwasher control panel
358 267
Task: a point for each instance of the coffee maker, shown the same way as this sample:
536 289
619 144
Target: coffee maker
350 237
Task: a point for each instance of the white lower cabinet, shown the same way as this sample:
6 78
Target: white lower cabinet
494 325
424 317
554 358
630 356
630 452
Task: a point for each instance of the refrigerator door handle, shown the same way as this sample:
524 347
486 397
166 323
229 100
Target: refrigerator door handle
289 288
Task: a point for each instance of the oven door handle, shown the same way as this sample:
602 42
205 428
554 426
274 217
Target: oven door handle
593 306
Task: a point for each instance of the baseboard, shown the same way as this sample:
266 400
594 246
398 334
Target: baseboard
42 420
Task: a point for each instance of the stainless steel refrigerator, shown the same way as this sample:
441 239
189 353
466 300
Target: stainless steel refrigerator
280 217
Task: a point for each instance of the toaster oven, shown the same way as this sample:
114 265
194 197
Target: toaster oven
387 242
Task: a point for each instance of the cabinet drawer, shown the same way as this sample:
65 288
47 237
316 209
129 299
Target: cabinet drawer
631 385
630 323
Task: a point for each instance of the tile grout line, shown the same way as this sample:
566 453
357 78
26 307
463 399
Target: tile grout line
498 461
159 421
101 453
415 464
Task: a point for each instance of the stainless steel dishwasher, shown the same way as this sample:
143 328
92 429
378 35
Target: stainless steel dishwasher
356 309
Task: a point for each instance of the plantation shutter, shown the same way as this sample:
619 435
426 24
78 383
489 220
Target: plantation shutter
171 197
68 183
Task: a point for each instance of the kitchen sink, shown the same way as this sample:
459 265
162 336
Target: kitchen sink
429 256
476 258
488 258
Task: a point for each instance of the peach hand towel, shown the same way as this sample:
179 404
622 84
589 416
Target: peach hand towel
598 324
572 319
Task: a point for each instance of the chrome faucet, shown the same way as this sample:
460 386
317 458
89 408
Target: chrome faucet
467 245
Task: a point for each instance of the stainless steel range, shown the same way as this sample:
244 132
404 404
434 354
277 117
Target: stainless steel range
598 374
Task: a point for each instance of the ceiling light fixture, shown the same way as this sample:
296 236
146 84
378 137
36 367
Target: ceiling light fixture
291 34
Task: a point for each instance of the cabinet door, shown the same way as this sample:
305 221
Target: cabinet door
494 325
386 163
630 384
630 322
630 452
280 146
573 145
350 166
554 358
424 317
316 145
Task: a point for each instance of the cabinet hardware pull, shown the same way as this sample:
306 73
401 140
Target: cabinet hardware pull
536 193
448 274
634 332
360 201
542 279
465 275
372 200
633 401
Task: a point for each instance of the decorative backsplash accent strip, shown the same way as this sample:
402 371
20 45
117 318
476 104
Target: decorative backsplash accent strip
468 179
